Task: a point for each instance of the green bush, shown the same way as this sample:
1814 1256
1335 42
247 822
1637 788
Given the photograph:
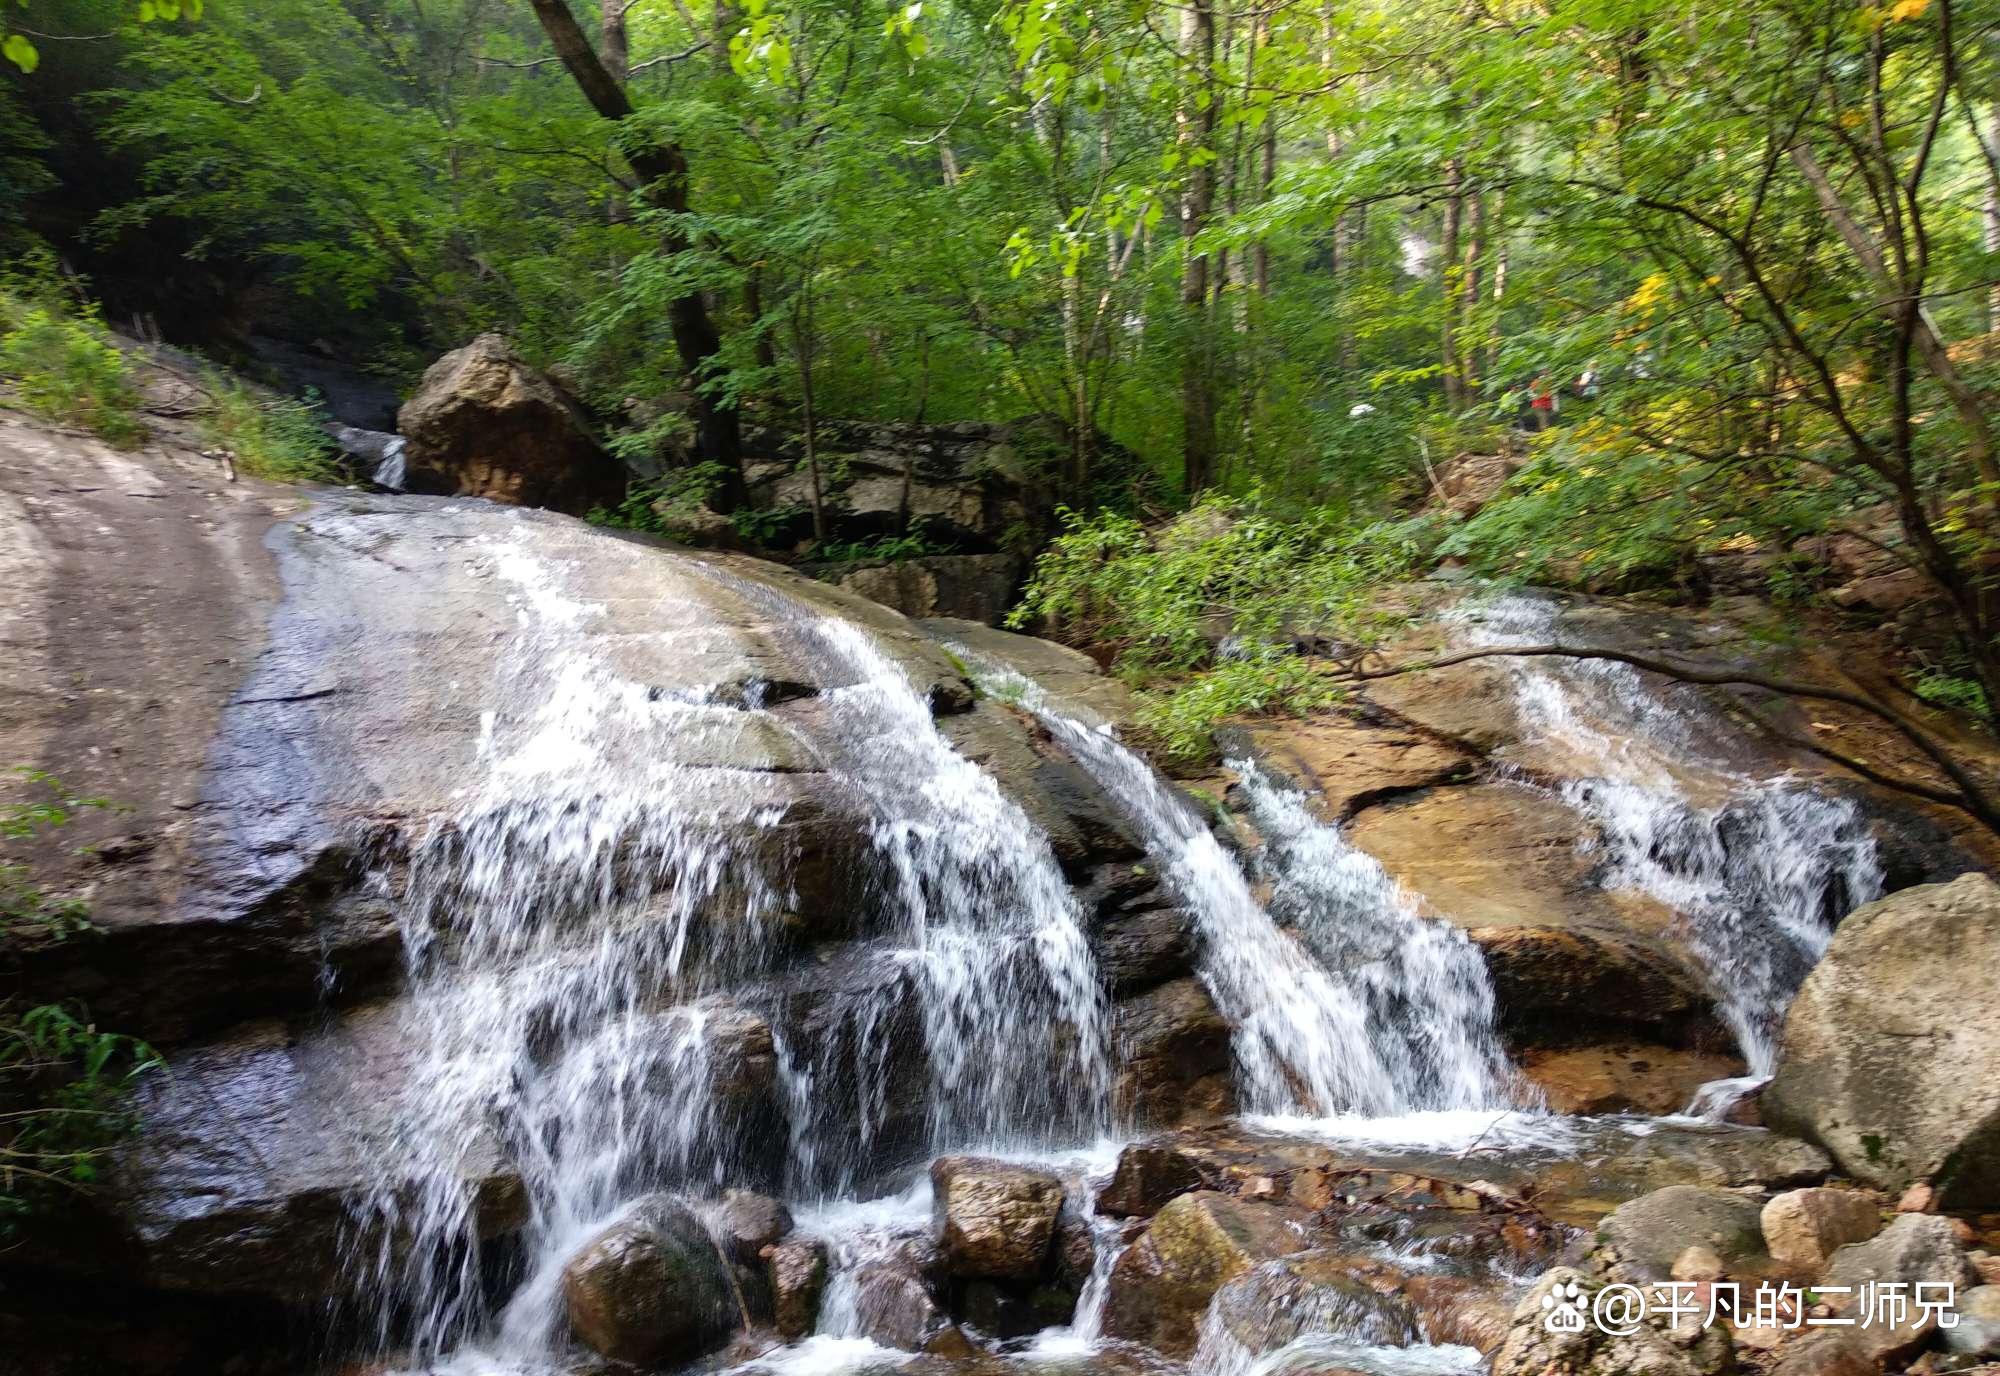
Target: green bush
1163 600
65 369
279 439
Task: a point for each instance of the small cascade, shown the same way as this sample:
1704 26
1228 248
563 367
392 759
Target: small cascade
1758 876
973 899
1309 1040
1429 1000
552 928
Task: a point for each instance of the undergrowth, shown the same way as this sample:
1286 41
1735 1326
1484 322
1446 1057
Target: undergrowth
65 1085
276 438
1207 615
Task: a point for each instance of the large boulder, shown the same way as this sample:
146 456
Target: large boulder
1162 1284
995 1220
977 587
483 423
1915 1249
650 1289
1890 1047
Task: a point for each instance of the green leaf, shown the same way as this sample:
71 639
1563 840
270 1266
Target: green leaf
19 51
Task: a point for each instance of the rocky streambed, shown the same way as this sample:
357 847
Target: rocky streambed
569 950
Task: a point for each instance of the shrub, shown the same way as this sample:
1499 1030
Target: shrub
1246 577
65 369
276 438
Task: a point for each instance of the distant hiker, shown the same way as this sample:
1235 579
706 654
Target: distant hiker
1541 402
1589 382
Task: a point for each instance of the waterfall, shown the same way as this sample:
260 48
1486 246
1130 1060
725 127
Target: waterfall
1424 984
973 899
572 922
1758 875
1371 1032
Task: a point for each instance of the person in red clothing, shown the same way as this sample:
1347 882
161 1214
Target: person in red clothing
1541 402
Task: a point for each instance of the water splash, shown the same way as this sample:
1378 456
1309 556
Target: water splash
1758 878
970 891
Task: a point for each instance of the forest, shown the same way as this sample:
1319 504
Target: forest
1722 278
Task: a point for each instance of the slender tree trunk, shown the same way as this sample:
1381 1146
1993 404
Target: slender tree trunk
753 307
1930 344
613 44
1991 237
1451 284
1195 123
663 167
803 343
1468 296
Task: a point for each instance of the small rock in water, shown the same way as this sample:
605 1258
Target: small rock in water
996 1221
1146 1178
650 1289
748 1222
798 1278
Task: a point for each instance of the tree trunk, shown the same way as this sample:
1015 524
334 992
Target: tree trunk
663 168
1450 284
1195 122
1991 237
1930 345
803 342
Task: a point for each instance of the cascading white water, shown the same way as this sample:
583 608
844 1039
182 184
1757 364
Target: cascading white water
572 925
1361 1038
973 897
1429 1000
1758 878
555 955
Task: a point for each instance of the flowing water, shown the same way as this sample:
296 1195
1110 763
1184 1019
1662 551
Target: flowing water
1758 873
573 926
1359 1007
605 995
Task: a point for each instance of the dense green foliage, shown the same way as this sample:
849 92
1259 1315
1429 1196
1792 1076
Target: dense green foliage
64 368
64 1084
1226 594
269 437
1312 252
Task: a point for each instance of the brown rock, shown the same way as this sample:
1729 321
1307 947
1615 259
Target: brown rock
1147 1177
1351 765
484 424
1173 1056
995 1220
1556 985
650 1289
797 1272
746 1223
1623 1077
1162 1284
1804 1228
1698 1263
